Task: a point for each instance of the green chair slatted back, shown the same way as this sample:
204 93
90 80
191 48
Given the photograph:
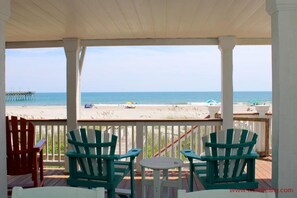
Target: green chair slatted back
93 162
94 143
226 145
228 161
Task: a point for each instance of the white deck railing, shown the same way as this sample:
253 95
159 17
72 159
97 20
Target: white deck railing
155 137
261 125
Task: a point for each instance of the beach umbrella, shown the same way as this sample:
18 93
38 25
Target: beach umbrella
211 102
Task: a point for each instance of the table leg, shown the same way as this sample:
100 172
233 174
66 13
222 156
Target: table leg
143 186
156 184
165 188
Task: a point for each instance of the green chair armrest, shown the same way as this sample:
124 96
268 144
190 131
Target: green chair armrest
131 153
190 154
255 154
233 157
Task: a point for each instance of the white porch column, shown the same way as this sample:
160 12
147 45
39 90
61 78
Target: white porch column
72 48
4 15
284 97
226 45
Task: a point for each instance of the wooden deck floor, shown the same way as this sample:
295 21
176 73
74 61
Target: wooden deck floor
56 177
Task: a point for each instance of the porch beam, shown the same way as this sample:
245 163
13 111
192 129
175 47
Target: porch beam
226 45
284 95
34 44
136 42
4 15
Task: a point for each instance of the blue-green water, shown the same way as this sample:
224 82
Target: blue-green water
143 98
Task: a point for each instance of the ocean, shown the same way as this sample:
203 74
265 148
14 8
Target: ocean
40 99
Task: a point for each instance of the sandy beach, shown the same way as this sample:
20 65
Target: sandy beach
197 111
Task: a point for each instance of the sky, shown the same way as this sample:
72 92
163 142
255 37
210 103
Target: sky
139 69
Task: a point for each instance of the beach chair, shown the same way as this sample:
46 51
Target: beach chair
228 161
93 162
224 194
57 192
23 156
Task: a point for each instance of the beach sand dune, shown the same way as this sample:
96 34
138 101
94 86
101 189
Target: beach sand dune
121 111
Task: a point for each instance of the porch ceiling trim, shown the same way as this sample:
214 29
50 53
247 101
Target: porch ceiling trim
136 42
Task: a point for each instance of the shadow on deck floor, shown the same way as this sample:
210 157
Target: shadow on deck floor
56 177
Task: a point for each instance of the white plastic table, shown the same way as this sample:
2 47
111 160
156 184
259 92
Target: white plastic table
158 164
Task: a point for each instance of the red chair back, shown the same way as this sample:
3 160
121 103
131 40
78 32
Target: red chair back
20 136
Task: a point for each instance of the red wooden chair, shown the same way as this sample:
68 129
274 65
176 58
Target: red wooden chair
22 154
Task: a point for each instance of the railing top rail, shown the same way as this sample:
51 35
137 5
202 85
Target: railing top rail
206 120
153 120
131 120
48 120
251 119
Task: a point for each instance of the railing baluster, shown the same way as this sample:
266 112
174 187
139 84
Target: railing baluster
146 144
192 137
126 139
53 142
159 140
65 139
133 136
153 139
59 142
120 131
172 141
46 137
166 141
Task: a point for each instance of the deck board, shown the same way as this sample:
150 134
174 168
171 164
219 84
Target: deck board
56 177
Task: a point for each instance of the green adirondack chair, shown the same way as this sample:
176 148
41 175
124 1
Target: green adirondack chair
228 161
93 162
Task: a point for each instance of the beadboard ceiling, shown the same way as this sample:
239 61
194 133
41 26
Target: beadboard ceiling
44 20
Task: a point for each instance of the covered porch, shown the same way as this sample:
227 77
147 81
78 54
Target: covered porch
78 24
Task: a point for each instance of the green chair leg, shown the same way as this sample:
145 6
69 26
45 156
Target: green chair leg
191 175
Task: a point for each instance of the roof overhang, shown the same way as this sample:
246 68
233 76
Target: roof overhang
44 23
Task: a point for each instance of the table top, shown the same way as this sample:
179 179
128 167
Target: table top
161 163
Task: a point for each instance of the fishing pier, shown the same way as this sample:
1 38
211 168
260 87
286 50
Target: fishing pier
19 96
